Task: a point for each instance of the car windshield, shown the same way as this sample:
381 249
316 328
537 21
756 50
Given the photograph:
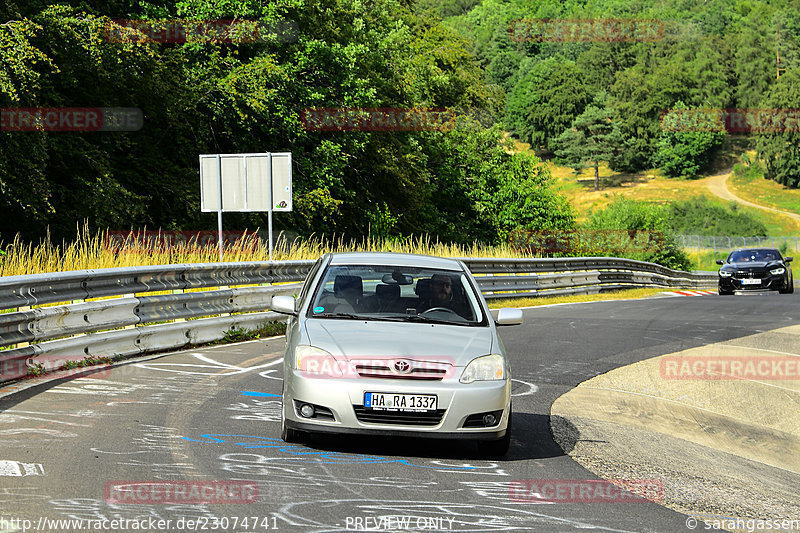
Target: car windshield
396 293
748 256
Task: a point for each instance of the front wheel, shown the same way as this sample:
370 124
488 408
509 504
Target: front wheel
724 292
497 447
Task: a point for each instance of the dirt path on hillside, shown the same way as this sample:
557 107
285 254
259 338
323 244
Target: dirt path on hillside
718 185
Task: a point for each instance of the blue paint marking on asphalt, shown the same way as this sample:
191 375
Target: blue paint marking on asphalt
322 457
254 393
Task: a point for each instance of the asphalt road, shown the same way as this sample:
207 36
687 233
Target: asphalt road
214 414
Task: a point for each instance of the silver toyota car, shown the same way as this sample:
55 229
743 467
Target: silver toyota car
395 344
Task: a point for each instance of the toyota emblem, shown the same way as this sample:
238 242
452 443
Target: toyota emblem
402 366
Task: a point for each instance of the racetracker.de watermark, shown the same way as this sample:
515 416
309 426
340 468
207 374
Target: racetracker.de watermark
710 119
586 490
585 30
181 492
329 367
21 368
74 119
378 119
729 368
172 31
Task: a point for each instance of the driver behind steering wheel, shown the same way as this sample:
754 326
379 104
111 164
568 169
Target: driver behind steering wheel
440 294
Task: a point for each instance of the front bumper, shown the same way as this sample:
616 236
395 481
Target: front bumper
768 283
342 396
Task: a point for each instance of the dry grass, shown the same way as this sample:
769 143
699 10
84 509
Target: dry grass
90 251
647 185
650 185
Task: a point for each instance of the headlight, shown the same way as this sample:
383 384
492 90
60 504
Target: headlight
725 273
315 361
777 271
486 368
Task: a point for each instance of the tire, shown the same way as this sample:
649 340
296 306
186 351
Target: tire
497 447
788 290
724 293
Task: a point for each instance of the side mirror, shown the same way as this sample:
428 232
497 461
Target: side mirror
788 259
284 305
720 262
508 316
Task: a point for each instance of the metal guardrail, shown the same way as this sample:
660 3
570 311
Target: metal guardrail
112 312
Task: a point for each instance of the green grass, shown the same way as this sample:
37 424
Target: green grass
623 294
268 329
755 188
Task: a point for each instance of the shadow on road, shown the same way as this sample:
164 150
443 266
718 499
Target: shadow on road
530 439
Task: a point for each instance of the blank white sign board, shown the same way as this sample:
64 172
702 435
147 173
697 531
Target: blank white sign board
246 182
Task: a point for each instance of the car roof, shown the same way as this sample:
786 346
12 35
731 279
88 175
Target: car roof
392 258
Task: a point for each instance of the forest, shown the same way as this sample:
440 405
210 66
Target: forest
462 184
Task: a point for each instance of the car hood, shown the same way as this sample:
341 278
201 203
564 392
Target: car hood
421 342
752 265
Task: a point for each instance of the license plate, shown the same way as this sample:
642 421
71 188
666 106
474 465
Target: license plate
388 401
751 281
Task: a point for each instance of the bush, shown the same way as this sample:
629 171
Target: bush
698 216
636 216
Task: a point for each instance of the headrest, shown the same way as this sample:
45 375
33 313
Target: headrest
348 287
423 287
387 292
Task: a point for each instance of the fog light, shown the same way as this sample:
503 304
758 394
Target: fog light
307 411
489 420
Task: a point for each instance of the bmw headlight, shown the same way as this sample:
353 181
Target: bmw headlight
777 271
487 368
725 273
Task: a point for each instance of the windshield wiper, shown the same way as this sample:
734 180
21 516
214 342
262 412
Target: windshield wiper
339 315
420 318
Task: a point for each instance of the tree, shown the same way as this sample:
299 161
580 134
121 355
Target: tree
592 137
778 144
545 100
640 95
684 151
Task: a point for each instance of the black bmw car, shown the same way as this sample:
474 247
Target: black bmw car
757 269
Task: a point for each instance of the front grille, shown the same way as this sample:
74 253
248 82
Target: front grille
749 275
428 418
386 372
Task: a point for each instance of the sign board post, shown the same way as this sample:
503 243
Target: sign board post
246 183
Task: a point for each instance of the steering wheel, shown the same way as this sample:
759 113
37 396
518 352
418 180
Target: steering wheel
438 309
